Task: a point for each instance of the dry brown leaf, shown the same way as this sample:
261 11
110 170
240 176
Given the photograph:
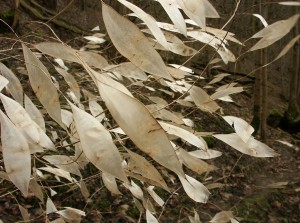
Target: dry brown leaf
65 52
14 86
172 9
110 183
140 165
194 189
132 43
274 32
40 80
16 154
97 144
252 147
141 127
193 163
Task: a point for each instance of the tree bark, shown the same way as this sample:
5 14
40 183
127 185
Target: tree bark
293 112
256 102
264 90
264 97
256 88
297 64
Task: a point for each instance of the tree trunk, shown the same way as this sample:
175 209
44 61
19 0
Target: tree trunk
291 120
297 64
256 99
293 109
264 97
264 90
256 88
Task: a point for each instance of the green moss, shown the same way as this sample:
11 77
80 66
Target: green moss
161 192
198 127
104 204
9 14
256 207
200 178
211 141
133 212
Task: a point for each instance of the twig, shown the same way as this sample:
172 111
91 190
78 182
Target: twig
165 204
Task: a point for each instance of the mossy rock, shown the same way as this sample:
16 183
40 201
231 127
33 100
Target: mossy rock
275 118
289 122
290 125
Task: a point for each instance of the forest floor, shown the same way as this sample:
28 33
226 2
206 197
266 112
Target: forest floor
255 189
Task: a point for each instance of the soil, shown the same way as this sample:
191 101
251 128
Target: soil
255 189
